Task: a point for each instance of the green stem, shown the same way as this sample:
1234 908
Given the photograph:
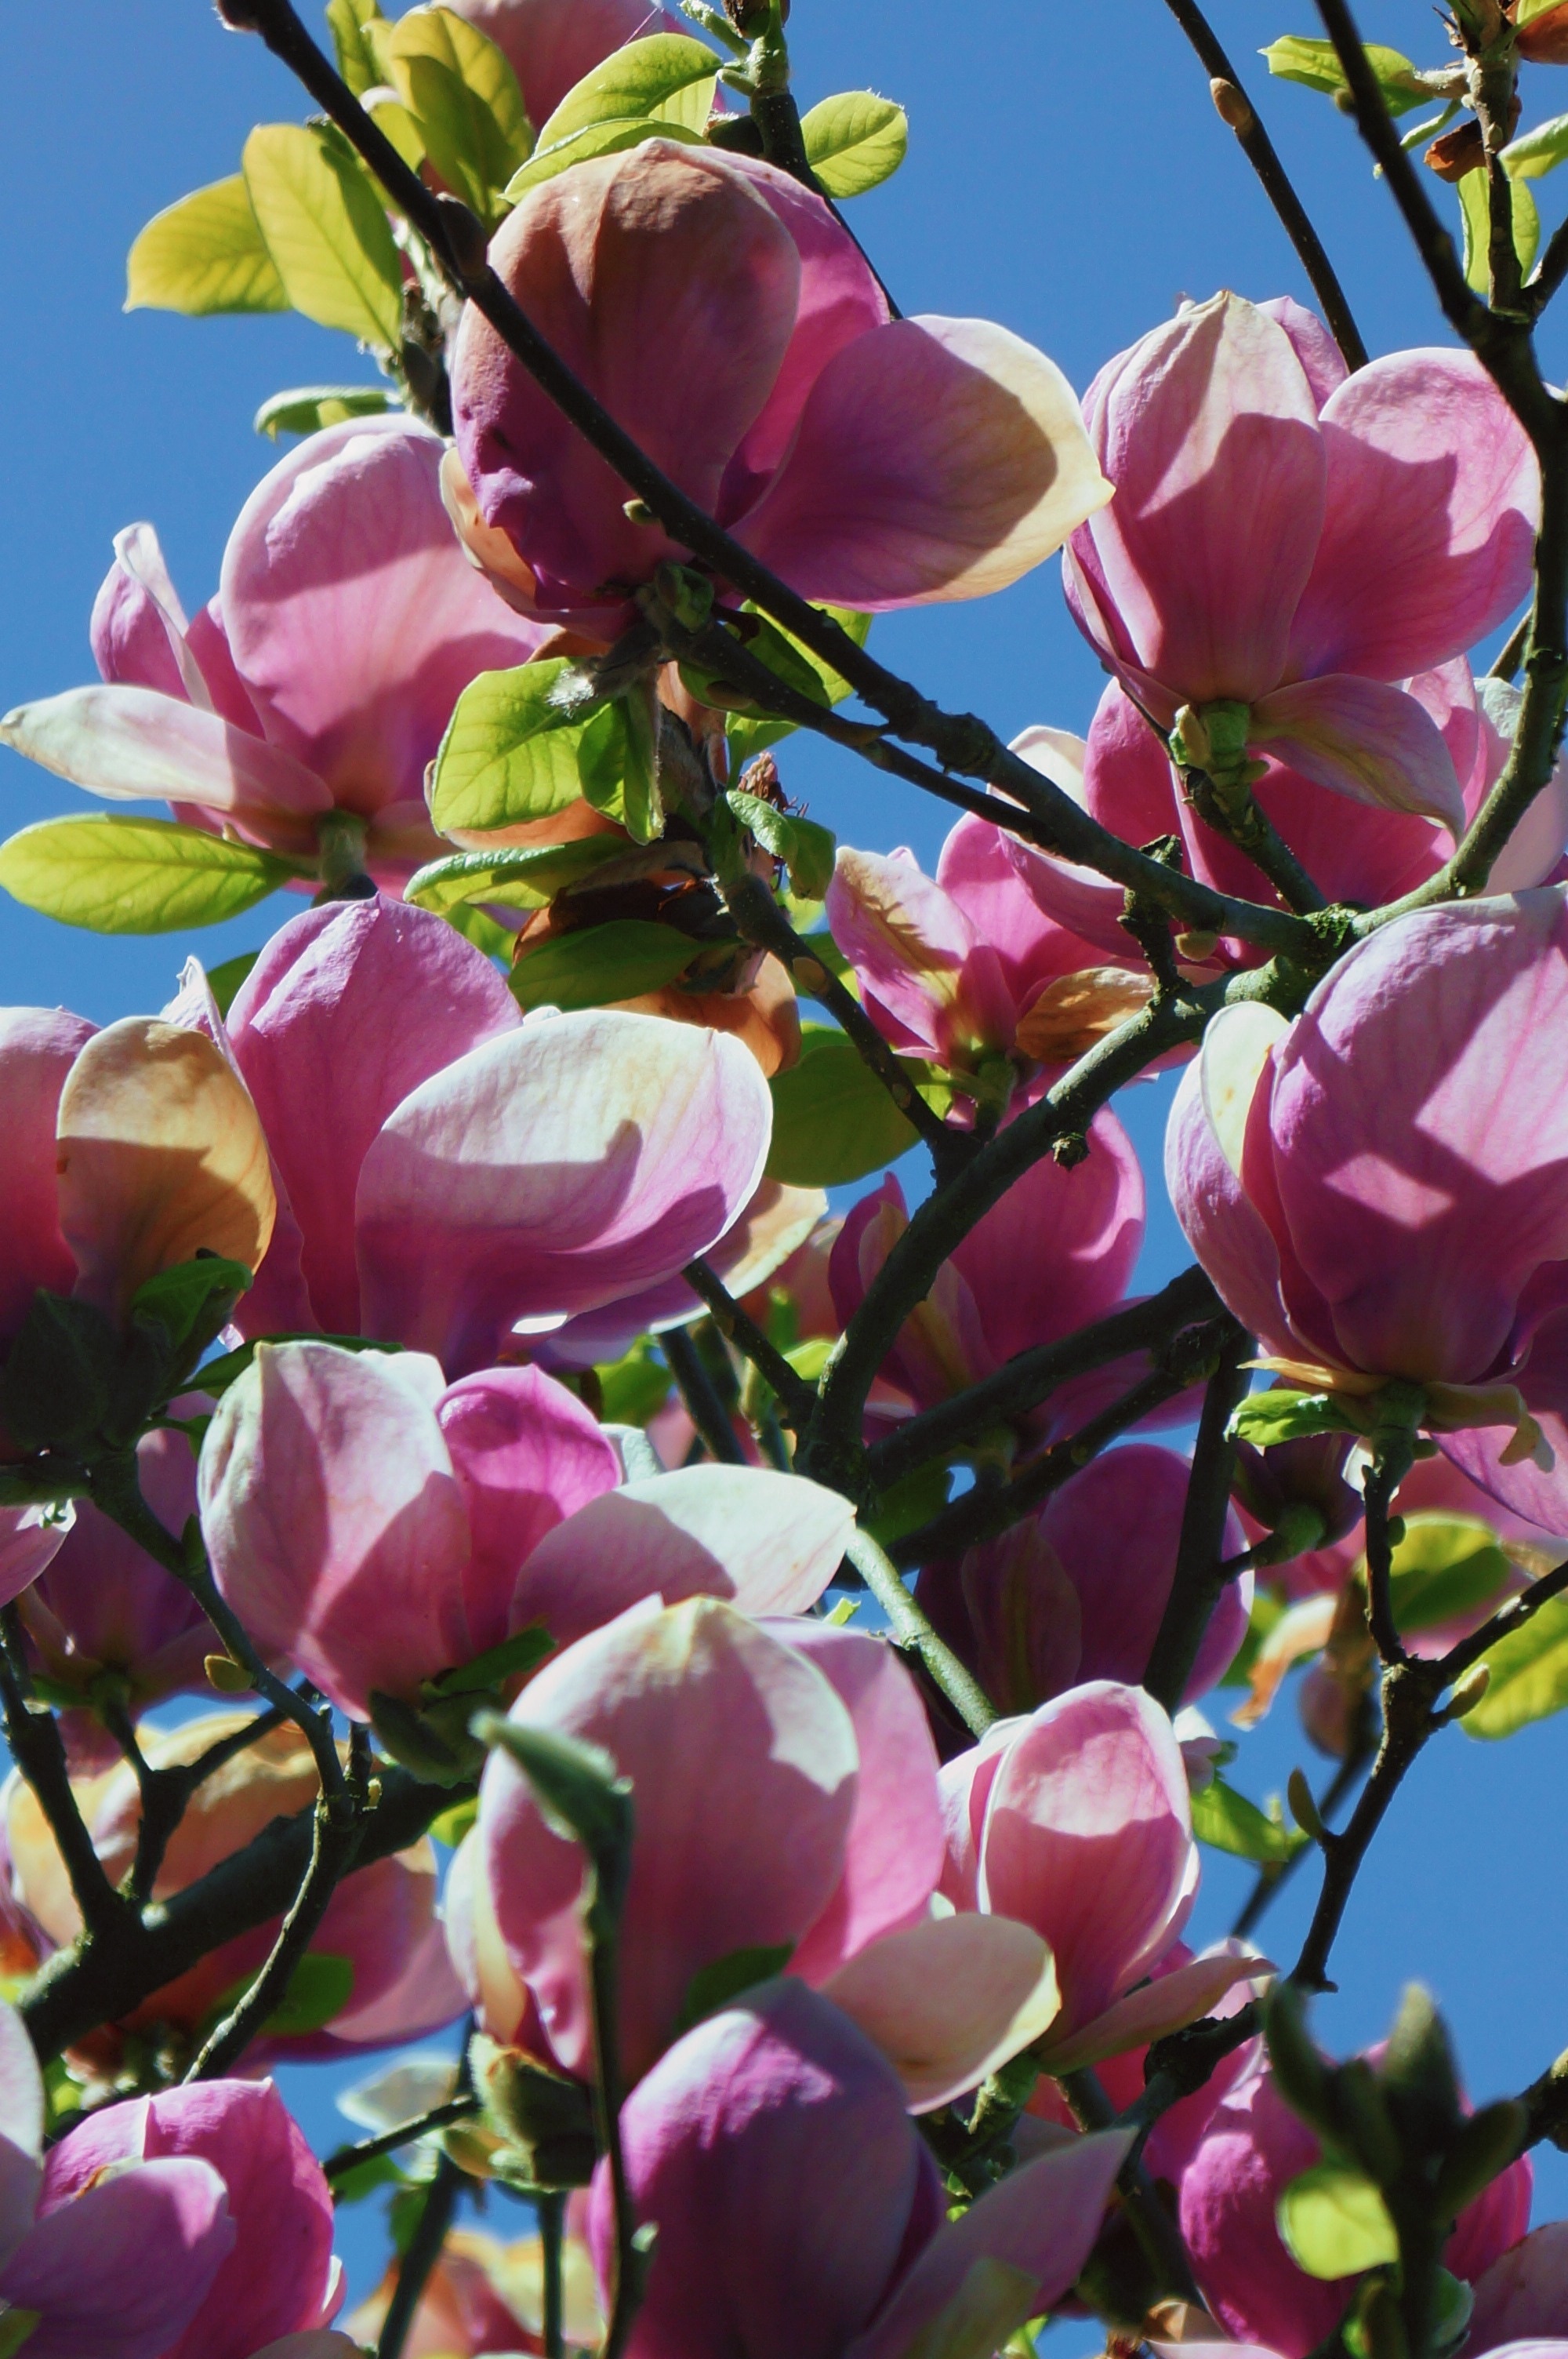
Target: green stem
737 1326
913 1633
349 2157
697 1390
424 2251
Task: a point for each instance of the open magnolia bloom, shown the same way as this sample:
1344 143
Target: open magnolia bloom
479 1170
873 463
787 1810
799 2213
1377 1188
300 707
1289 546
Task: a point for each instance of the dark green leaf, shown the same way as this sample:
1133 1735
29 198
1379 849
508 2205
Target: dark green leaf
1279 1414
224 980
907 1504
60 1374
634 1388
352 2186
712 1987
805 849
193 1300
833 1121
516 877
523 1652
601 964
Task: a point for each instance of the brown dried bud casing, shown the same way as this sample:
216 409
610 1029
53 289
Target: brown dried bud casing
1231 106
750 16
1544 41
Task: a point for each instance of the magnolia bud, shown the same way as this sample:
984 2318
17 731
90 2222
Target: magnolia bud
1231 106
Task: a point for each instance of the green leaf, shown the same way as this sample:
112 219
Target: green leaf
833 1121
1229 1821
524 1651
1335 2223
357 61
56 1385
121 874
224 982
579 1790
193 1296
618 960
1282 1415
326 232
855 141
204 255
510 754
486 934
216 1375
306 409
1447 1566
1475 209
1316 64
712 1987
634 1387
668 76
363 2179
519 877
748 736
1538 151
466 100
907 1504
805 849
1528 1675
320 1988
595 139
453 1824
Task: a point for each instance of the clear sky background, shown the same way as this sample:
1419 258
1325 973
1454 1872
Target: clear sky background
1068 176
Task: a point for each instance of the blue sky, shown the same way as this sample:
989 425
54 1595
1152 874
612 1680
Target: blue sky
1066 176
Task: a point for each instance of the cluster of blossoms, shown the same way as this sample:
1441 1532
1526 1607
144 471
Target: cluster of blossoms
438 1332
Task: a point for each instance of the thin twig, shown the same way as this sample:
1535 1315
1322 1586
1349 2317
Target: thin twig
424 2251
349 2157
1502 1624
1199 1578
796 1397
700 1393
911 1632
1272 1880
1151 2223
33 1737
1409 1690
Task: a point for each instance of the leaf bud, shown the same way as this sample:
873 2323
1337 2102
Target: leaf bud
1417 2075
1231 106
1480 2148
1304 2076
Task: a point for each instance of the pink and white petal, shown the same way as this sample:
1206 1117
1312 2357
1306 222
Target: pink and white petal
477 1954
964 1787
935 460
1074 901
30 1540
1358 738
1536 845
894 1853
1523 2298
38 1048
138 624
120 2271
1040 2224
1202 1159
1429 523
350 1007
426 1995
21 2132
908 941
1319 355
991 876
1164 2004
552 44
768 1542
354 617
1208 428
580 1158
743 1761
949 2000
131 744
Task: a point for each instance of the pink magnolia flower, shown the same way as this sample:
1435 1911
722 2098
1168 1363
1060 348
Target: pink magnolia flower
381 1921
30 1540
873 463
1298 544
552 44
1375 1188
1254 2146
484 2296
378 1528
280 2278
477 1170
117 2268
316 686
1076 1821
784 1792
1521 2301
799 2216
1077 1592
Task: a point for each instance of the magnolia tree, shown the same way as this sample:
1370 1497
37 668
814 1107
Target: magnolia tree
427 1354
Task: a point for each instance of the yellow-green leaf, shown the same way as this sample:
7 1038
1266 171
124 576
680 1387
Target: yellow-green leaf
509 754
1444 1566
833 1121
463 95
855 141
595 139
1476 210
326 232
1334 2223
518 877
126 875
668 76
1528 1675
1536 152
1295 58
204 255
306 409
603 964
356 59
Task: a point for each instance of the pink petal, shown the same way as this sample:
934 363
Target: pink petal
1523 2299
131 744
354 616
526 1453
1163 2004
425 1995
138 624
336 1527
21 2132
660 248
1013 898
578 1159
552 44
949 2000
349 1007
1088 1839
119 2272
934 459
1201 1158
1373 743
893 1857
1420 1122
1041 2221
1208 429
917 955
742 1765
38 1048
965 1785
1319 355
1129 785
770 1543
1429 526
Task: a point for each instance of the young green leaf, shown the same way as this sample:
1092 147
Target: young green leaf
510 754
357 61
204 255
1334 2223
854 141
667 77
306 409
517 877
595 139
125 875
523 1652
833 1121
320 1988
713 1987
326 232
1528 1675
805 849
224 981
1447 1566
191 1300
633 1389
1536 152
1282 1415
602 964
465 98
1476 213
1316 64
1229 1821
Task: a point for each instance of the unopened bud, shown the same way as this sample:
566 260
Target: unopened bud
1196 946
227 1675
465 238
1468 1691
240 15
638 512
1231 106
1303 1807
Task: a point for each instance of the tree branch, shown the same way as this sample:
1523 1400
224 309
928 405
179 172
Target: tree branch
424 2251
914 1634
1409 1690
349 2157
796 1397
697 1390
33 1737
1200 1577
